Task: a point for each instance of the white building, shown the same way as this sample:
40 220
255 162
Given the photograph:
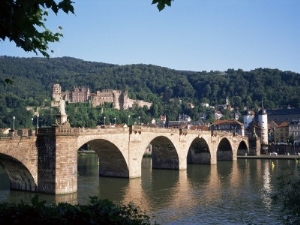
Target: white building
263 122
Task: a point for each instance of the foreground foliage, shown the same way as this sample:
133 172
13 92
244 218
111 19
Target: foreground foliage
96 212
288 195
23 22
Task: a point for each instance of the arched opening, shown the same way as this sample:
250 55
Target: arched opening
111 160
19 176
224 151
199 152
242 149
164 155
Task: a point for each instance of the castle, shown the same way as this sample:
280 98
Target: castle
119 98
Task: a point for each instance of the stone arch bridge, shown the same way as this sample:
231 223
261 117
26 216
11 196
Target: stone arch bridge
47 160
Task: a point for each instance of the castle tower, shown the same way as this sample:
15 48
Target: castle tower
116 99
56 92
124 100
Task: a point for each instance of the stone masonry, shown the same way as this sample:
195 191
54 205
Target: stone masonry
47 162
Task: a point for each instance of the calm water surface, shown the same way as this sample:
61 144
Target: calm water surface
226 193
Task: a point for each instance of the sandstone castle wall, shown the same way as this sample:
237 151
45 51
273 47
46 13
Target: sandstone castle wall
119 98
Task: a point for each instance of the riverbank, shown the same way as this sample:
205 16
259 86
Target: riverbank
268 157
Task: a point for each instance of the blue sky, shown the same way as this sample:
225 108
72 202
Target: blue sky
192 35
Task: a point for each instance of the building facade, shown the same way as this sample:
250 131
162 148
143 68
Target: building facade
233 126
281 133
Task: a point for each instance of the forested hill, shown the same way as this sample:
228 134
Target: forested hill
33 79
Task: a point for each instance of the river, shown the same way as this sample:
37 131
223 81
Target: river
235 192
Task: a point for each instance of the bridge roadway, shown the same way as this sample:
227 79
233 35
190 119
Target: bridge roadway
46 161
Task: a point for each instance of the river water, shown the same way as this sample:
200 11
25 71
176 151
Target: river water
227 193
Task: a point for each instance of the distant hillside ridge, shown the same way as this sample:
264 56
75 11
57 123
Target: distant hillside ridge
35 77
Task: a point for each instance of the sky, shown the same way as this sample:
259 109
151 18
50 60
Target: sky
195 35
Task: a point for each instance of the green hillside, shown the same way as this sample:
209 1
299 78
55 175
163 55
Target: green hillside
169 90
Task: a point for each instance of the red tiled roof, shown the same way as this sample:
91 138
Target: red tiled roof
222 122
283 124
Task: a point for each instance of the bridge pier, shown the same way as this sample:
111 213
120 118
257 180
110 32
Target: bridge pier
57 162
135 156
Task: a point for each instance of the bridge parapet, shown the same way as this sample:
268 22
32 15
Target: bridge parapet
222 133
61 131
111 130
22 133
158 129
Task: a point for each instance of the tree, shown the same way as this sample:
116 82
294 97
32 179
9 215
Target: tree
162 3
288 194
23 22
97 211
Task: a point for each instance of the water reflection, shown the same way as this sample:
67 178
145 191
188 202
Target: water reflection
230 192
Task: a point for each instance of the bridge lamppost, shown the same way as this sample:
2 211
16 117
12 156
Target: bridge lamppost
31 123
139 120
104 120
37 121
128 119
14 122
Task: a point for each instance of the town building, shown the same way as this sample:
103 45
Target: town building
233 126
271 129
248 118
294 130
281 115
281 133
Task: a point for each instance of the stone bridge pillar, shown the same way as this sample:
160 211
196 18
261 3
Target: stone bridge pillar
182 149
213 147
57 161
135 155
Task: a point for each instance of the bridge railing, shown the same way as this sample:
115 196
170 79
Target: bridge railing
103 130
22 133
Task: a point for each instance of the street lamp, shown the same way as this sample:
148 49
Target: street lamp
139 120
37 121
128 119
115 120
104 120
31 123
14 122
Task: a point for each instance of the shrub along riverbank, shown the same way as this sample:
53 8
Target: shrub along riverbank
96 212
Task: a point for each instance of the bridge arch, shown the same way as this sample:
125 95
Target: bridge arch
111 159
164 153
224 150
242 148
199 152
19 176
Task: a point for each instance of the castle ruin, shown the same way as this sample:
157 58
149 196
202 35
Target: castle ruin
118 98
